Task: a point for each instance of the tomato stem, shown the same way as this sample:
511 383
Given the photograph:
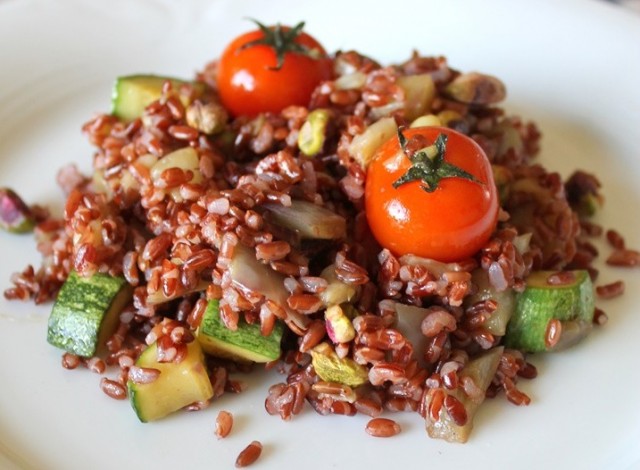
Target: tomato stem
282 41
428 165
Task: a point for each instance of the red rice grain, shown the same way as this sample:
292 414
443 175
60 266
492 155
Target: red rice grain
609 291
224 423
96 365
70 361
249 454
553 333
382 427
600 317
624 258
113 389
143 375
456 410
615 239
368 407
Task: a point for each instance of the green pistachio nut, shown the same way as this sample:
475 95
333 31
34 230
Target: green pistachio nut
313 132
15 215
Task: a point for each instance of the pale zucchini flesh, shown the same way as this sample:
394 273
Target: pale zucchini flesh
133 93
481 370
179 384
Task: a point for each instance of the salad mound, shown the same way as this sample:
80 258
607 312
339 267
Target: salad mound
381 235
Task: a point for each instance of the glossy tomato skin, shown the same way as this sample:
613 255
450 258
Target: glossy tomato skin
249 85
451 223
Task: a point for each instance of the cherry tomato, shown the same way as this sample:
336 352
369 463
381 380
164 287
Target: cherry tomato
268 69
450 223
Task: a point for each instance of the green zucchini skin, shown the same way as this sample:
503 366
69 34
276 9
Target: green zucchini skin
540 303
245 344
86 312
132 93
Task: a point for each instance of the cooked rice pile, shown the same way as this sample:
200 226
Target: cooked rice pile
172 234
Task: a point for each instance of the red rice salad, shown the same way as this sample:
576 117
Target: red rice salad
381 236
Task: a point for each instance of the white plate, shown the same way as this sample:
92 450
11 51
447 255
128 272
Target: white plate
573 66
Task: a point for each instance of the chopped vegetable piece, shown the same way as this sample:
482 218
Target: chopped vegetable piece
209 118
332 368
15 215
481 370
337 292
309 220
248 272
185 159
552 304
133 93
419 91
427 120
502 177
363 147
86 312
510 140
476 88
244 344
505 302
409 320
583 193
404 198
175 385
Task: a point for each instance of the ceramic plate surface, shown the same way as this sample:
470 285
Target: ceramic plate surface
572 66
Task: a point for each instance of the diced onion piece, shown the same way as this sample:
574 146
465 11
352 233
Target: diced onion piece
185 159
246 271
426 121
337 292
351 81
100 185
522 242
510 140
364 146
409 324
437 268
419 93
309 220
497 321
481 370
